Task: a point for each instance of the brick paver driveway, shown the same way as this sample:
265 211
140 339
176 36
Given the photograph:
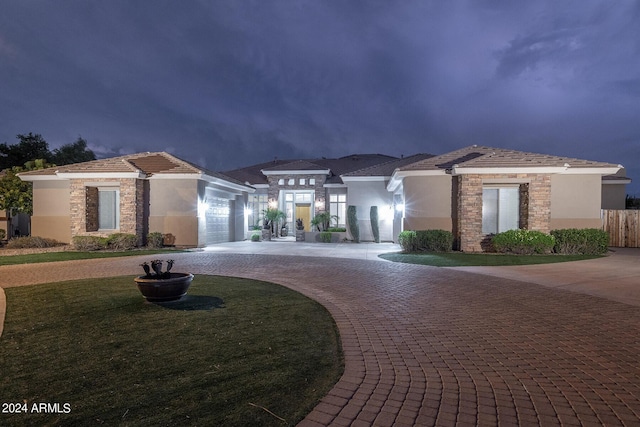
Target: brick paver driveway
427 346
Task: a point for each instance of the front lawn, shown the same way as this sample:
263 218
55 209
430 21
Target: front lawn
72 255
460 259
232 352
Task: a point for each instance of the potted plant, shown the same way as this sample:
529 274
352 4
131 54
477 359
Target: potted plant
159 286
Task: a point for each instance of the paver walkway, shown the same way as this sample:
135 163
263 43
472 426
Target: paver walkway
430 346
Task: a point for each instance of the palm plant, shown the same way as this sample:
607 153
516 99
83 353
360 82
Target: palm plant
322 220
272 218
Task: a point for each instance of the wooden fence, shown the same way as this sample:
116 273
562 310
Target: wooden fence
623 227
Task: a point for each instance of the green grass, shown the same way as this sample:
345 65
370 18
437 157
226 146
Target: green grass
459 259
72 255
230 348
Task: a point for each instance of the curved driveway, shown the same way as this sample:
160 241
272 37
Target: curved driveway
427 346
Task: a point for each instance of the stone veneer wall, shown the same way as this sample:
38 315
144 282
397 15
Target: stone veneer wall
84 206
469 218
318 188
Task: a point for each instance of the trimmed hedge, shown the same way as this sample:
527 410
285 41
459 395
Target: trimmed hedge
116 242
122 241
337 230
89 243
155 240
25 242
426 240
586 241
524 242
325 236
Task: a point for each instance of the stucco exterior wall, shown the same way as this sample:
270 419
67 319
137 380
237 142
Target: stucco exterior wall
51 210
575 196
428 203
363 195
173 209
614 196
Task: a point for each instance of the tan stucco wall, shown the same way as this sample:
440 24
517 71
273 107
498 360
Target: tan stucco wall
575 197
427 203
51 210
428 224
614 196
183 228
173 208
560 223
52 227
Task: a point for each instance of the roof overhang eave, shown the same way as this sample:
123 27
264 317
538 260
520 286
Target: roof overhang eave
297 172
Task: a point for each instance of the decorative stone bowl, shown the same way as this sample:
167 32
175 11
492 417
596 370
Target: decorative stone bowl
169 288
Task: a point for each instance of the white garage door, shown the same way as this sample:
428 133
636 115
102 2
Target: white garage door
218 221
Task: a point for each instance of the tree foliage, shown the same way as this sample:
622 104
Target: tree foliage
15 194
30 153
33 146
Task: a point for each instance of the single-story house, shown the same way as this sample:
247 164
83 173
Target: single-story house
138 194
472 192
478 191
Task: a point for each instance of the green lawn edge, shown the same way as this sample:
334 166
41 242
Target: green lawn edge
233 352
73 255
459 259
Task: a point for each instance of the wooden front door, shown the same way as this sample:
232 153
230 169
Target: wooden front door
303 212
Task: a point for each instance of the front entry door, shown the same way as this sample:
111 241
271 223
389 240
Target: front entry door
303 212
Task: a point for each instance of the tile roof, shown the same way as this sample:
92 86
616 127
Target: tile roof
488 157
296 165
147 163
339 166
387 168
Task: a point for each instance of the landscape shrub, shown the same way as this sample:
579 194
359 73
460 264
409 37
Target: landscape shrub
325 236
337 230
586 241
426 240
407 241
255 237
89 243
434 240
155 240
524 242
122 241
352 223
25 242
375 227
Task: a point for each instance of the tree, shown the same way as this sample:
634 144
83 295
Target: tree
29 148
32 147
16 195
76 152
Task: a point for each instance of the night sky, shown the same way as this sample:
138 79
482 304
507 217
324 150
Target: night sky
230 83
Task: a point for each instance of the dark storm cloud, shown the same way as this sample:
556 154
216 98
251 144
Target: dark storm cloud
227 84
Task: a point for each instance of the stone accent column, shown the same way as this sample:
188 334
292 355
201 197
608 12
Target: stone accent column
84 206
535 205
540 203
470 212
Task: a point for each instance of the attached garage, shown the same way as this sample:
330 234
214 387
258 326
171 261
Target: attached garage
218 220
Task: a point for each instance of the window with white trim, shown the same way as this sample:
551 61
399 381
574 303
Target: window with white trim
108 209
500 209
258 203
338 207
